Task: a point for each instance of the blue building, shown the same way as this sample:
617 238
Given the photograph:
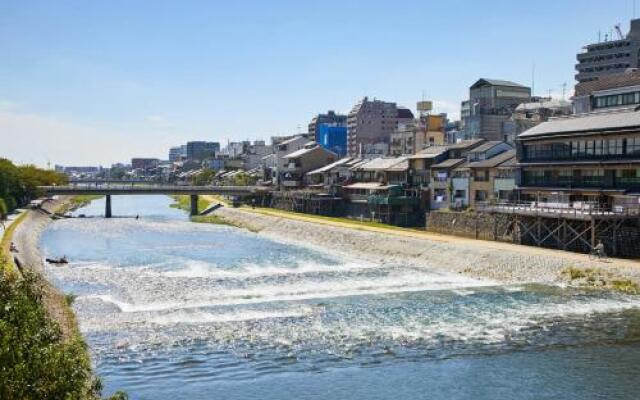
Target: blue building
333 137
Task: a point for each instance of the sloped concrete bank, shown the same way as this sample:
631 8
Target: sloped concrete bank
26 238
496 261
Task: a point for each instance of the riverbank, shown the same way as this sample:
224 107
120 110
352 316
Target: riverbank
495 261
25 237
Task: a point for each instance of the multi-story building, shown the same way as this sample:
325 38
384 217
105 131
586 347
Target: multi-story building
491 103
372 122
411 137
330 118
201 150
177 153
582 161
483 178
611 91
298 163
333 137
277 162
528 115
611 56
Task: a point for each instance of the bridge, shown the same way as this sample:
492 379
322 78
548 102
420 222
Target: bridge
95 188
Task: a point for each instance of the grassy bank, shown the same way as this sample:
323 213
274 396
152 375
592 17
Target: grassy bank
184 203
37 359
8 266
76 202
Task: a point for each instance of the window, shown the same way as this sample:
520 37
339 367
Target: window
481 195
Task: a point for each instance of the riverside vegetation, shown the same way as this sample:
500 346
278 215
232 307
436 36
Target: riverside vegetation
36 361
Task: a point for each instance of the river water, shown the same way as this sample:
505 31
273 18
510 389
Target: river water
173 309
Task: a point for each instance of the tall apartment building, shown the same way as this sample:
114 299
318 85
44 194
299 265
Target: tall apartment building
609 57
491 103
331 118
371 123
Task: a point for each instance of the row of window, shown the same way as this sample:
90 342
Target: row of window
614 100
579 149
595 177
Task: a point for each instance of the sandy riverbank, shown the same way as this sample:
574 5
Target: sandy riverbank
26 238
496 261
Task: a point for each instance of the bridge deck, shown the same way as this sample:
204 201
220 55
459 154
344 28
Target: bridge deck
152 189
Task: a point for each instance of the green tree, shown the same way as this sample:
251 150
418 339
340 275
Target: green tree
4 211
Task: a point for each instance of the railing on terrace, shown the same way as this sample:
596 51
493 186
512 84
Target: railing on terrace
578 209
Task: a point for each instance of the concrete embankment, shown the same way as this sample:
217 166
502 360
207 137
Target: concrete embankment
26 237
495 261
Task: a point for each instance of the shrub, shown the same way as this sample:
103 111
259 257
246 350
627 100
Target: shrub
35 363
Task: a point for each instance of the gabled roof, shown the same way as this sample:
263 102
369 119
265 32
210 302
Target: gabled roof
495 160
450 163
495 82
341 162
306 150
466 144
486 146
430 152
585 123
382 164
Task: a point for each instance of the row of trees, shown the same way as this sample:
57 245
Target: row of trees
19 184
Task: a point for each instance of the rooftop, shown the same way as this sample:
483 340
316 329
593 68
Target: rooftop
383 164
343 161
430 152
486 146
582 123
495 82
495 160
465 144
450 163
303 151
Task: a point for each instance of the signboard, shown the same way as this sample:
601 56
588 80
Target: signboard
424 106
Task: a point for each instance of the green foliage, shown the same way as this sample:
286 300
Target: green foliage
203 178
4 210
19 184
69 298
35 363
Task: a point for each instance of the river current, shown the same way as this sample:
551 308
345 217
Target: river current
173 309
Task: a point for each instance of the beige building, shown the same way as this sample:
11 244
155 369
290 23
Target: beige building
483 176
298 163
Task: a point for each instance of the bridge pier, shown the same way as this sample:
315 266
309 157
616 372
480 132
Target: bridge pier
194 204
107 208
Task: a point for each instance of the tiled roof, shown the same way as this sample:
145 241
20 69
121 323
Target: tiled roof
342 161
465 144
494 161
450 163
381 164
593 122
485 146
430 152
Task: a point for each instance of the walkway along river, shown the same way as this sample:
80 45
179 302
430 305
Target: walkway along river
174 309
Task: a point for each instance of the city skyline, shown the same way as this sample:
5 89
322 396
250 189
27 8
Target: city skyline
101 84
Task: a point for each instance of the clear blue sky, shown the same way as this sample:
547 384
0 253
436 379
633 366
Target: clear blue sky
96 82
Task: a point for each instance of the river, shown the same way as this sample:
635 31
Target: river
173 309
